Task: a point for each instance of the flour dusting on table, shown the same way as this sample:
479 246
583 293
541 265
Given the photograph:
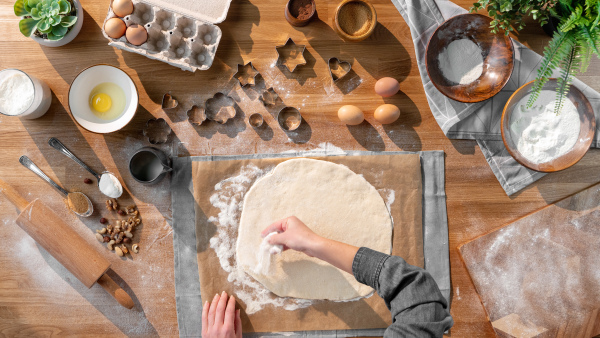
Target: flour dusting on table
229 198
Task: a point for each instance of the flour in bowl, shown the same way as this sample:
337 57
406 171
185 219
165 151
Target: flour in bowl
540 134
461 61
16 94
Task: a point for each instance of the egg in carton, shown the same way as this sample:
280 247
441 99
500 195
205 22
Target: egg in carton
179 40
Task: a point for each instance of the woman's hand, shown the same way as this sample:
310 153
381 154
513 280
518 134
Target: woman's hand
220 319
293 234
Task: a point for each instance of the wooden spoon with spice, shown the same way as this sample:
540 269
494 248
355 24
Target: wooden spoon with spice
77 202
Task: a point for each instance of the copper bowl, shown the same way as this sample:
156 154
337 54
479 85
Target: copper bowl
350 37
498 55
586 131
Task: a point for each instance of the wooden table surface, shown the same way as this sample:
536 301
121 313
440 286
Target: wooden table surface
37 297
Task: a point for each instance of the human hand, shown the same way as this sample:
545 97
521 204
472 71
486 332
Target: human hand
220 319
293 234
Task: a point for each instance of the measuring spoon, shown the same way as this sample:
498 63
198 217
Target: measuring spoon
56 144
27 163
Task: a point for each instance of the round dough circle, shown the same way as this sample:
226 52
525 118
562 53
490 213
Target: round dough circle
335 203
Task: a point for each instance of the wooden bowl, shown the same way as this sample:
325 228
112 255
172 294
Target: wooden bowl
294 21
498 55
350 37
586 133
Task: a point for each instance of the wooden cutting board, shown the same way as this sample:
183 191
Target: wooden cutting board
540 275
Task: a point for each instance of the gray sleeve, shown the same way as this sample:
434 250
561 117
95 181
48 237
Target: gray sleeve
414 299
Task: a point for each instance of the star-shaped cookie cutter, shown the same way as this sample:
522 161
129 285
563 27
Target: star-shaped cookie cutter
291 55
246 74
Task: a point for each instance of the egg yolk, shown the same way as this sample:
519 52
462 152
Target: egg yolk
101 102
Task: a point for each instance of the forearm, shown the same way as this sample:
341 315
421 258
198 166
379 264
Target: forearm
338 254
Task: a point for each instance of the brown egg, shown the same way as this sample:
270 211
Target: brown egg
387 87
351 115
136 34
122 8
387 113
115 28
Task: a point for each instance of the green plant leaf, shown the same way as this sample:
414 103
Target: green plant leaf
20 8
59 30
53 37
54 6
572 20
28 26
591 40
556 50
29 4
35 14
65 7
68 21
564 82
44 26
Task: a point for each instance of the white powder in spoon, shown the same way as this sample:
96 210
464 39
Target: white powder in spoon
539 133
461 62
110 185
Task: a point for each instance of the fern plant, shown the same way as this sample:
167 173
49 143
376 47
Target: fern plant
572 45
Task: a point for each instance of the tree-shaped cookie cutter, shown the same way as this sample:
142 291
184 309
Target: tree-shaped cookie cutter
290 55
246 74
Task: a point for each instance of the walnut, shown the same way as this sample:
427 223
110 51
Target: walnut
112 204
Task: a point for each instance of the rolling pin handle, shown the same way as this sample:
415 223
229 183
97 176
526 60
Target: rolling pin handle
115 290
13 196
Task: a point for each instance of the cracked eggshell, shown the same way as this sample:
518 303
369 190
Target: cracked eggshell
351 115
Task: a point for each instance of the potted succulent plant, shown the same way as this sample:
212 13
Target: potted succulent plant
576 38
50 22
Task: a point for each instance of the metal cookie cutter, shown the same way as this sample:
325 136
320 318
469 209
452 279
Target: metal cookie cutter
289 118
246 74
338 69
291 55
169 102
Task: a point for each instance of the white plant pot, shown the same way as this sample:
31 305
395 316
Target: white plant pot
71 35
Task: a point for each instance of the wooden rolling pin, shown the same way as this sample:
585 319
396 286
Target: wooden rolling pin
64 244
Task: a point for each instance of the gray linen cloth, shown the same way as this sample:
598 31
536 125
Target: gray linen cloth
478 121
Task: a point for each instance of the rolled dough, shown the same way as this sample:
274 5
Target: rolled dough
335 203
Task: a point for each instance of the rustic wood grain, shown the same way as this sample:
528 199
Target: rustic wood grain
38 299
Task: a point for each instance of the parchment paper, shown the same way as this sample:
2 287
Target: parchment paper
400 173
187 284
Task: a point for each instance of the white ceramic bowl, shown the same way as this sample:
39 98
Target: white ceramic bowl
79 94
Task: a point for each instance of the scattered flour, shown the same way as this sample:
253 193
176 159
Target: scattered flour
540 134
265 254
229 199
461 62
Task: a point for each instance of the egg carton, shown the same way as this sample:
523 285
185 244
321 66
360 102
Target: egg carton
179 40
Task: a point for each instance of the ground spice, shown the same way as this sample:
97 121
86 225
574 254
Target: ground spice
355 18
77 202
301 9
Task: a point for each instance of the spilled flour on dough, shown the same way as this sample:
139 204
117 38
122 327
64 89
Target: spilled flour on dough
229 199
266 252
